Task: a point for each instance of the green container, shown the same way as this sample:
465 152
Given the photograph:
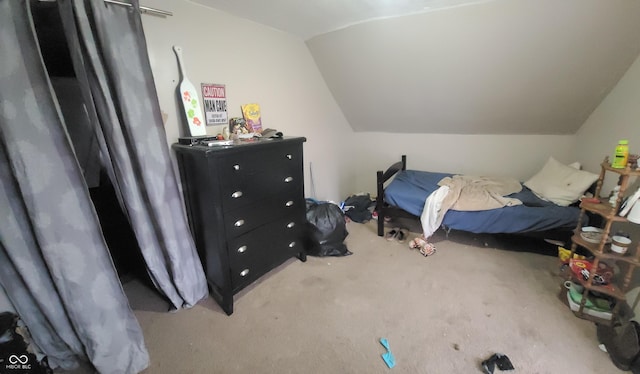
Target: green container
621 155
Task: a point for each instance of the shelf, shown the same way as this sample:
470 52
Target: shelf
593 248
602 251
601 321
604 209
609 290
624 171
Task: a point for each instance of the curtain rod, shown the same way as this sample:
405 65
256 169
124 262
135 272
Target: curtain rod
143 9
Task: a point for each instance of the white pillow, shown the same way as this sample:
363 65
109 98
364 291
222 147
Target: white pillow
559 183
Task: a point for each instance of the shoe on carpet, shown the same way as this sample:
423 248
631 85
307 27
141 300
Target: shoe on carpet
392 234
401 236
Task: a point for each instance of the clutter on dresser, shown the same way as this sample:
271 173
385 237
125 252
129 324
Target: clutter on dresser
238 127
226 140
208 141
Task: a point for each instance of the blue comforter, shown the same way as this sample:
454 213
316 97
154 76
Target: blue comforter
410 188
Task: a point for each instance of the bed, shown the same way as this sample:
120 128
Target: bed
404 196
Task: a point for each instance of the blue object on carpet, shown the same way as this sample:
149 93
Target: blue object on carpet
387 356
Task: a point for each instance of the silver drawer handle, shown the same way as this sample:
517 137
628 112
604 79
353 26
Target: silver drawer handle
292 244
288 179
289 203
242 249
236 167
290 225
236 194
239 223
289 156
244 273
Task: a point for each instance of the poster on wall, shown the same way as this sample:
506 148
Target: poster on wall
215 103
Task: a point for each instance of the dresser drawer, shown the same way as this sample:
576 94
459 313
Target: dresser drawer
247 177
250 255
245 219
252 190
238 166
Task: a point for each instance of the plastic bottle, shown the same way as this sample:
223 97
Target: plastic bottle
614 195
621 155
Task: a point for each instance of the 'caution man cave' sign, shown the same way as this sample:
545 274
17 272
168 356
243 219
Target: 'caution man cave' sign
215 103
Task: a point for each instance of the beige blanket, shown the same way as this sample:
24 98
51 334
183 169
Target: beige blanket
463 192
469 193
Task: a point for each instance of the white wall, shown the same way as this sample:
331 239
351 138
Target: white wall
257 64
617 117
260 64
496 67
518 156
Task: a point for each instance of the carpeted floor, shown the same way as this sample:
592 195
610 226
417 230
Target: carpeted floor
440 314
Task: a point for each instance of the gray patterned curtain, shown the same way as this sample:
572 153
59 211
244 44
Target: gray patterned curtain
110 58
54 263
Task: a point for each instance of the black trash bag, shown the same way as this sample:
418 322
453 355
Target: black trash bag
623 344
357 207
327 230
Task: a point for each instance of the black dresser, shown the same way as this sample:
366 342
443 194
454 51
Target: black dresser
246 208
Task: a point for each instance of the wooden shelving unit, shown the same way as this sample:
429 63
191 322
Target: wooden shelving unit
601 251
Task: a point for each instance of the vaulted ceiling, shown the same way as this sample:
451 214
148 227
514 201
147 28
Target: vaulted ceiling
461 67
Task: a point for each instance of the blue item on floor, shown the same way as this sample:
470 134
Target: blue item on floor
387 356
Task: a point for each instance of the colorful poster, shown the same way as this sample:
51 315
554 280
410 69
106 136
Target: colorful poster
251 114
215 103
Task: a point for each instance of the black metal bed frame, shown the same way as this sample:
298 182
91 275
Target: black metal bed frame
382 207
